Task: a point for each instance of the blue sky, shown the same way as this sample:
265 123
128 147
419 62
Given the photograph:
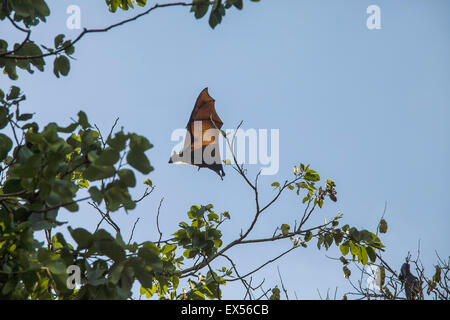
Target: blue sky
366 108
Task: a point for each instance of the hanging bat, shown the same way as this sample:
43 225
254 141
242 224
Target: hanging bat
411 282
201 147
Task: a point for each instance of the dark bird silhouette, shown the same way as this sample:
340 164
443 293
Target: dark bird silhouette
201 147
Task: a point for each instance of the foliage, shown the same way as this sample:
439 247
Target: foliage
47 171
387 284
30 56
44 173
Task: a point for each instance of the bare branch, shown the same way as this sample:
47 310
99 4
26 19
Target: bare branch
157 221
27 31
282 284
132 231
106 217
265 264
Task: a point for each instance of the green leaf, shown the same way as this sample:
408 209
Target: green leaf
82 237
144 276
57 267
106 245
33 126
212 216
196 212
344 249
138 160
59 40
70 49
96 276
285 229
133 247
150 253
13 93
4 117
12 186
371 253
41 8
118 142
148 183
83 120
69 129
354 248
30 168
127 177
108 157
167 248
182 236
217 12
31 49
311 176
94 172
61 65
5 146
237 3
275 184
364 256
308 236
200 8
96 194
139 143
25 117
338 236
328 240
365 236
354 234
39 221
116 272
320 202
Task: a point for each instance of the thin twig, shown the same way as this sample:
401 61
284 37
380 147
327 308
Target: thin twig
282 284
157 221
132 231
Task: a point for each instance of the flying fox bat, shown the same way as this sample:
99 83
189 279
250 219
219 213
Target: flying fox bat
201 147
411 282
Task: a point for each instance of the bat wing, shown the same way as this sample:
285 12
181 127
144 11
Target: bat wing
204 110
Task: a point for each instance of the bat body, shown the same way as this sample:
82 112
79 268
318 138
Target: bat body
201 147
411 282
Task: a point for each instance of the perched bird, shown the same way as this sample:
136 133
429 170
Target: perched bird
201 147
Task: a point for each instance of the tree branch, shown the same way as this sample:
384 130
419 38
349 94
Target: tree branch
8 55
